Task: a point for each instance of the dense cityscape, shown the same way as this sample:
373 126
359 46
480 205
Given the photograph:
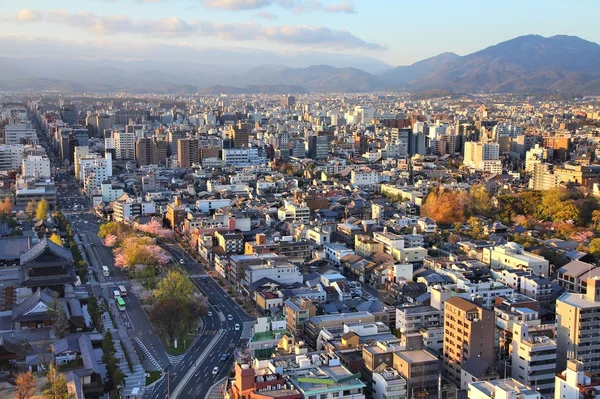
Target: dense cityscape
351 246
299 199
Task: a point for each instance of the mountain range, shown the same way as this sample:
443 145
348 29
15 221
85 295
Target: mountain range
526 64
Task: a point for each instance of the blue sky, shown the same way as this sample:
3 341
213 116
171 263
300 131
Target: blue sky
398 32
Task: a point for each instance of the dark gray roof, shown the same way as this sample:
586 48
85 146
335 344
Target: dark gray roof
87 353
39 248
476 366
13 247
18 312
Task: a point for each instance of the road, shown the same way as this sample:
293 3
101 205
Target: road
134 318
203 378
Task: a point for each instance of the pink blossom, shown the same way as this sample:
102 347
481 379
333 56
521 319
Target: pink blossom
110 240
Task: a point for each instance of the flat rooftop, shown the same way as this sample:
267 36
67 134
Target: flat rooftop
418 356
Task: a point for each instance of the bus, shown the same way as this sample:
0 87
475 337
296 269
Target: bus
122 290
121 304
105 271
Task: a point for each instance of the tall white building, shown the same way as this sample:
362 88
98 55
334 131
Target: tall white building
37 166
365 177
534 357
124 145
13 134
483 156
11 156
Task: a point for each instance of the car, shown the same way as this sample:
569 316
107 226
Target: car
209 314
224 357
229 317
181 261
215 371
237 327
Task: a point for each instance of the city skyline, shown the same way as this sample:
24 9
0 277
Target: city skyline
130 29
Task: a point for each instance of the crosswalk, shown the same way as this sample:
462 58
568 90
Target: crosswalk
176 359
115 283
147 353
199 275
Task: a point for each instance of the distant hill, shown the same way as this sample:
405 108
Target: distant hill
273 89
402 75
525 64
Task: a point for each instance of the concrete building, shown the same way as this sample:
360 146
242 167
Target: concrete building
188 152
19 134
11 156
534 357
298 311
334 252
124 145
411 319
574 382
293 212
36 166
468 331
283 273
388 384
542 177
317 147
514 256
483 156
421 369
578 327
365 177
506 388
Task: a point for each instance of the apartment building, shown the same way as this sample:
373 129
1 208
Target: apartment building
534 357
411 319
468 331
283 273
293 212
578 327
37 166
514 256
297 311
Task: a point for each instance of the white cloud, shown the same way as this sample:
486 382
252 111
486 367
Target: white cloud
26 15
236 4
301 35
267 15
342 7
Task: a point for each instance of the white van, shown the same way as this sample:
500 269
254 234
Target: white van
122 290
116 294
105 271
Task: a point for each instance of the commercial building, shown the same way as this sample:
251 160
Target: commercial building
421 369
239 134
19 134
468 331
124 145
578 327
188 152
534 357
483 156
505 388
514 256
37 166
317 147
283 273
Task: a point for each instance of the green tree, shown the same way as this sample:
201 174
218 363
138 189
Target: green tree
56 387
42 209
596 219
481 201
55 238
174 286
476 226
31 208
595 247
168 315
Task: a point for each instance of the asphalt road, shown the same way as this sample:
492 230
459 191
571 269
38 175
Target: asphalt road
203 378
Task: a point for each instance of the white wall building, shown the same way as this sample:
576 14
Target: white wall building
11 156
282 272
36 166
514 256
483 156
365 177
14 134
335 252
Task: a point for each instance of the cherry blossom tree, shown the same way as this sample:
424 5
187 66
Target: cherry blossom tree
110 240
154 228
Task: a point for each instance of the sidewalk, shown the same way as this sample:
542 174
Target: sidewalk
137 379
216 391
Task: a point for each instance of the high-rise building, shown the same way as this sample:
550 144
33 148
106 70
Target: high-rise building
239 134
124 145
188 152
172 137
146 151
483 156
97 124
317 147
468 332
288 101
577 327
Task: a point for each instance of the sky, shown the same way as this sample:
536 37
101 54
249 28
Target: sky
397 32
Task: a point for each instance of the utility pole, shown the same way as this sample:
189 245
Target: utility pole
168 385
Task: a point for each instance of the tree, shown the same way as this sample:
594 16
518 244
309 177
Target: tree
55 238
6 207
42 209
481 201
56 388
445 207
174 286
58 315
595 247
167 314
476 226
25 385
31 208
596 219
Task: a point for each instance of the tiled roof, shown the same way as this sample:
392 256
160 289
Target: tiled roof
39 248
